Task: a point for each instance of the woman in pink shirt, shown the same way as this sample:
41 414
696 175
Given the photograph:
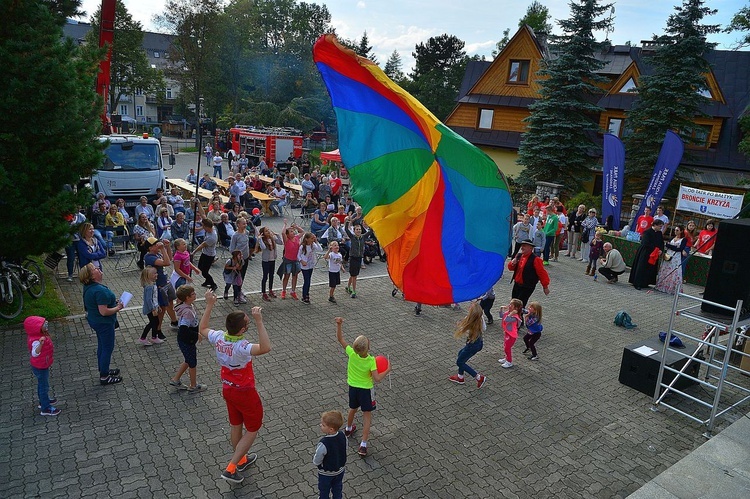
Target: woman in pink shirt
290 263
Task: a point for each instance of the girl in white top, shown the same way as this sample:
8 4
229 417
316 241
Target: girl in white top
307 256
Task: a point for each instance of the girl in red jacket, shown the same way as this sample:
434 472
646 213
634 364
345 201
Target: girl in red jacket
42 351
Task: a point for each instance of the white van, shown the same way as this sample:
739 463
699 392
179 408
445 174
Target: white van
132 168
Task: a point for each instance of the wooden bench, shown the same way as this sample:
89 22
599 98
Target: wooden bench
188 190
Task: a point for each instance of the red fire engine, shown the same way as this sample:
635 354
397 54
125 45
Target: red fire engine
274 145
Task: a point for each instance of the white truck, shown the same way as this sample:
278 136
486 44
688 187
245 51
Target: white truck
133 167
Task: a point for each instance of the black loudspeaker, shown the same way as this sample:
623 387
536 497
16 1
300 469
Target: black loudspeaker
640 372
729 275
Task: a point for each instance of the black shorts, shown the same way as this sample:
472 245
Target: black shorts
363 398
189 352
355 264
334 279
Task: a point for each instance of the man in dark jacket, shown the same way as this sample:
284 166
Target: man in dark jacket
644 268
528 270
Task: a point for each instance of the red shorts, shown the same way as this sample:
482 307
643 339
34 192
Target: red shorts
244 406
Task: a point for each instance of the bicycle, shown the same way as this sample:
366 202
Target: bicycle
15 280
11 294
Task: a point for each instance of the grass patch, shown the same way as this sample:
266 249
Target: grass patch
188 149
49 306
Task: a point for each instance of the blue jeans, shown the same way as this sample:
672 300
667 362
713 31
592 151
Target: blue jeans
547 246
467 352
328 485
42 387
217 172
306 278
70 252
105 345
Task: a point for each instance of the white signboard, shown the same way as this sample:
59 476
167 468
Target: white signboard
712 204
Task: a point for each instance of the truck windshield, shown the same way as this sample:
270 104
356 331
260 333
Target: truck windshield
132 156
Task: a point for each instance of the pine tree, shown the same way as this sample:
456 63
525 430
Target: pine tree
500 45
669 98
393 67
537 16
557 145
49 122
364 48
439 66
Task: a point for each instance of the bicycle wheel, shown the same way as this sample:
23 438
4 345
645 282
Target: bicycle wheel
34 279
11 300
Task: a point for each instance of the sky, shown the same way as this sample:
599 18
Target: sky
402 24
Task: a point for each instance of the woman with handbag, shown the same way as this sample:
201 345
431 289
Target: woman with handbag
101 307
669 277
588 229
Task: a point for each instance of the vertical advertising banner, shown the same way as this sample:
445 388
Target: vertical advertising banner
666 165
613 168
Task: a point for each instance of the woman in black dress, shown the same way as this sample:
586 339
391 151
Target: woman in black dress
642 272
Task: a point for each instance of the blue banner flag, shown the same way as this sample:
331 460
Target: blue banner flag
666 165
613 168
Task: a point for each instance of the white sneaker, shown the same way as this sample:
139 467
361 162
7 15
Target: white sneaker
503 360
157 340
145 342
506 364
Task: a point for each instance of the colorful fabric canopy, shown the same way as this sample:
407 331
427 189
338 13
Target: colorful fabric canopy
439 206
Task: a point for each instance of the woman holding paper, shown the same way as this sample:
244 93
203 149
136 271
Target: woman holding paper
101 307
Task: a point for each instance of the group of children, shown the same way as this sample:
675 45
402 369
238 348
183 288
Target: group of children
474 325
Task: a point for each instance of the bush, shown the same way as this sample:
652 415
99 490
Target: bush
586 199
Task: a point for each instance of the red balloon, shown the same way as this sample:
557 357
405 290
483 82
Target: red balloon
256 211
381 363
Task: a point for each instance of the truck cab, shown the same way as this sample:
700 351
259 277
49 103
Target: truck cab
132 167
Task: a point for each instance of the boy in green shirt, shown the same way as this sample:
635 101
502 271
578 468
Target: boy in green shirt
550 228
361 373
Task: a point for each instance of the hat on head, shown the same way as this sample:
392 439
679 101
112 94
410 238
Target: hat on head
151 241
527 241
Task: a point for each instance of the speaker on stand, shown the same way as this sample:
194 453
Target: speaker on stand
729 274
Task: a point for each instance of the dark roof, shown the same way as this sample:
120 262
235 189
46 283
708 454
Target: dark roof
495 138
474 70
497 100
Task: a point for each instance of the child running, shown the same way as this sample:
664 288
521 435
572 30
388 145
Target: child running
472 326
233 277
42 353
534 326
187 337
150 307
235 355
330 455
511 315
182 264
361 372
334 268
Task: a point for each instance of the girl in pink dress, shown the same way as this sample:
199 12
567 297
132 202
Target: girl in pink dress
511 315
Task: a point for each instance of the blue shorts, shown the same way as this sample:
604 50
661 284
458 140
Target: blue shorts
166 294
189 352
363 398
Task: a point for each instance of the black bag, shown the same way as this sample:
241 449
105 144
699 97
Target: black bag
585 236
187 334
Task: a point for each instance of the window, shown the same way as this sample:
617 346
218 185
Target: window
138 91
629 87
615 126
156 55
139 110
485 118
123 109
519 72
701 136
705 92
153 66
169 93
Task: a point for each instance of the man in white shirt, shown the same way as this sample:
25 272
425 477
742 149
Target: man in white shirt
661 216
191 177
280 194
217 165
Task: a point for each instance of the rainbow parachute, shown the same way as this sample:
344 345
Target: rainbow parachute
439 206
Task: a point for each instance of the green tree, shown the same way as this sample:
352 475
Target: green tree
740 22
364 48
439 68
394 67
670 96
130 69
500 45
537 16
557 145
49 121
194 56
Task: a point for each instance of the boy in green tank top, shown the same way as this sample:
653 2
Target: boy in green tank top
361 373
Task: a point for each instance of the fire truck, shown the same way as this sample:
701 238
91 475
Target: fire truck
274 145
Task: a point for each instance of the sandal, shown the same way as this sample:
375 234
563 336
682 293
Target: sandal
110 380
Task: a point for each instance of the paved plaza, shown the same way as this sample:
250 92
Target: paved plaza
560 427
